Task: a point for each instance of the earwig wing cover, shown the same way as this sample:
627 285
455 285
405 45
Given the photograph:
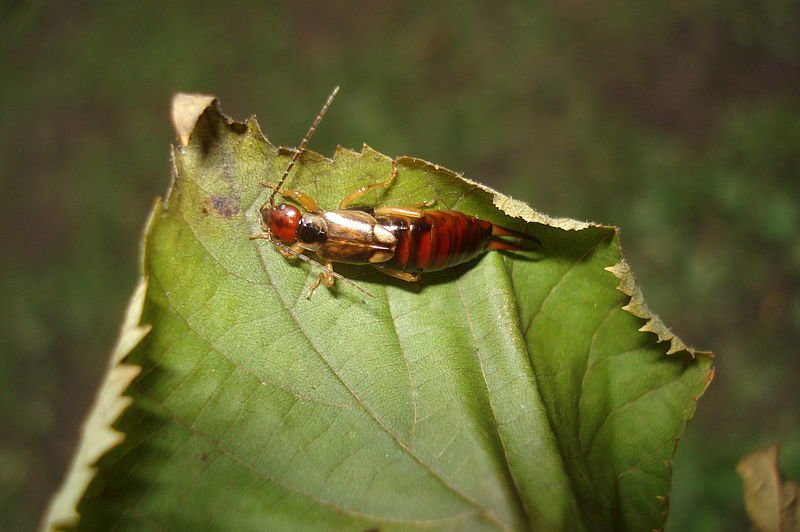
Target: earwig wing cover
529 392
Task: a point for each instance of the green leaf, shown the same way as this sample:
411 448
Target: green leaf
515 392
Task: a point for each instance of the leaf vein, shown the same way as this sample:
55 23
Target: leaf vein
522 508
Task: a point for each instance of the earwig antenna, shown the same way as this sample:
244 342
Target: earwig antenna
303 144
311 261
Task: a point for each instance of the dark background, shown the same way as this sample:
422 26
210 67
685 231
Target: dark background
677 121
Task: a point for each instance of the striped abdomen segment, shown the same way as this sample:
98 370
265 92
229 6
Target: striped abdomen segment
437 240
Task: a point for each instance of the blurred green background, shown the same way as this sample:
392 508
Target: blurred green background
677 121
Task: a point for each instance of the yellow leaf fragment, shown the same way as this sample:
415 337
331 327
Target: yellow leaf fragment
186 111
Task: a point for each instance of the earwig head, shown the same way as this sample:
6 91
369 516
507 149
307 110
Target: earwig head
282 221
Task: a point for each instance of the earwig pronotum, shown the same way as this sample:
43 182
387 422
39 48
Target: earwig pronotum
403 242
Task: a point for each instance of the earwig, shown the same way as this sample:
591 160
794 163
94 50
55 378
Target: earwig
403 242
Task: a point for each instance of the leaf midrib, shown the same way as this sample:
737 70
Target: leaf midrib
378 421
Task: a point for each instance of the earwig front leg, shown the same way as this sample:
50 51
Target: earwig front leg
325 277
350 198
403 276
291 253
302 198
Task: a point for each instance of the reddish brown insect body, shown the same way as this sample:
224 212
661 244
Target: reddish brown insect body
402 242
437 240
442 239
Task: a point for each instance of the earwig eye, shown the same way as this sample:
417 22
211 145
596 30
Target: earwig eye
282 221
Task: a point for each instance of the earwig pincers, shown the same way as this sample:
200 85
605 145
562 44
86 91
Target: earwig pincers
403 242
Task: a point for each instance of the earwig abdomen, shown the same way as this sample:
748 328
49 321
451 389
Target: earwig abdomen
436 240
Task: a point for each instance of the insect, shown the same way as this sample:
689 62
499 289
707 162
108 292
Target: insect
403 242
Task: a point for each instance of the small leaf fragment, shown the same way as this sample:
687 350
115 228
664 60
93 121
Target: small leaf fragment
771 502
186 111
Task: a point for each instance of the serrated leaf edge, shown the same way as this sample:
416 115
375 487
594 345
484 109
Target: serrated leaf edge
638 307
98 436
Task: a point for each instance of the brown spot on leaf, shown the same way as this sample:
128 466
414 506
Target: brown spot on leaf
223 206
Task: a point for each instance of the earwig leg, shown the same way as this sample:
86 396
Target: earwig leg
295 251
302 198
412 211
399 211
325 277
350 198
313 287
403 276
289 252
424 205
